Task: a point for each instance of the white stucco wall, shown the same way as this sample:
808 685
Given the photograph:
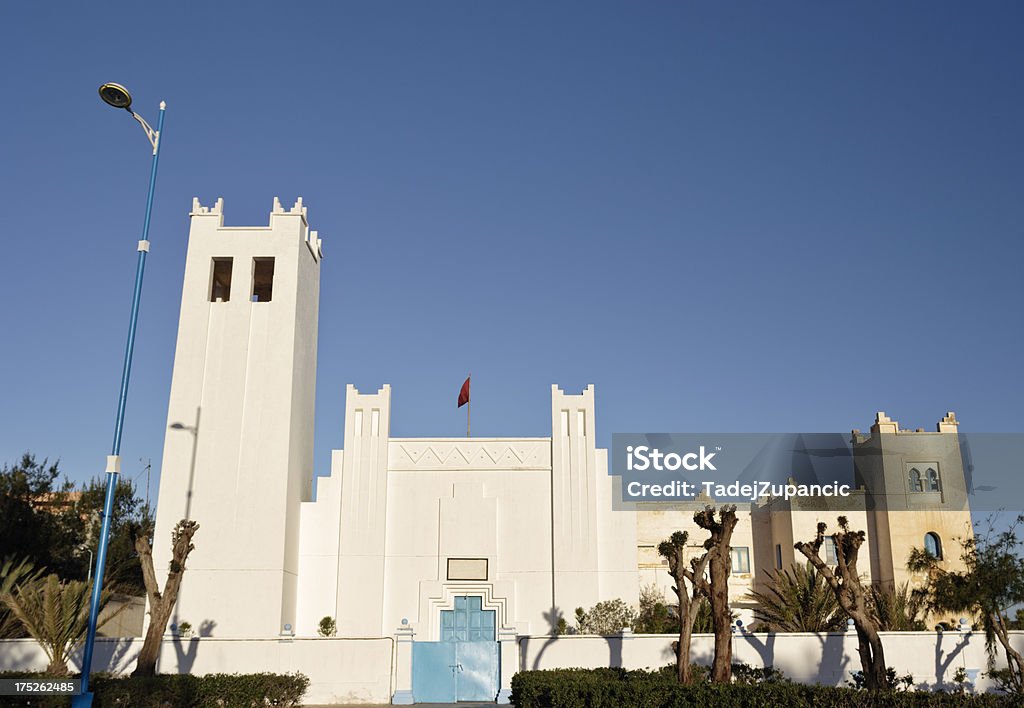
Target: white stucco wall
828 659
376 542
238 449
339 670
367 671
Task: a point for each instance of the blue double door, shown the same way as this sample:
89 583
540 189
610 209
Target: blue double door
463 666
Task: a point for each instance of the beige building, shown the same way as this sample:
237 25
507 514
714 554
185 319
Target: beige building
910 493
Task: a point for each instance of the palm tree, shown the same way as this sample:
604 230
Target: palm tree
899 609
12 574
798 600
56 615
704 618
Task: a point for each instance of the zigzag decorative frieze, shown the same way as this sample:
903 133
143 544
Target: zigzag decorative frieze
483 454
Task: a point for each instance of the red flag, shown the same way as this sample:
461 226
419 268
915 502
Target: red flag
464 394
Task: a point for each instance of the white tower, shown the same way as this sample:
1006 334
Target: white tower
238 452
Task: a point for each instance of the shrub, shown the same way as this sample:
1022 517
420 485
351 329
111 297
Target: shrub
182 691
328 627
612 688
228 690
892 681
606 618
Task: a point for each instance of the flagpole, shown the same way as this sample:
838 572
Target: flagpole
468 404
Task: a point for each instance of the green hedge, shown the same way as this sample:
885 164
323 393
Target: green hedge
183 691
613 688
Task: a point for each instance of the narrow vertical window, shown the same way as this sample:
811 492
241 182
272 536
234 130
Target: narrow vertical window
778 556
831 556
915 481
933 480
220 283
262 279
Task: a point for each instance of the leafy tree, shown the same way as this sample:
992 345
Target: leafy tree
852 596
654 616
1018 620
674 551
80 524
27 526
798 600
991 584
42 520
55 614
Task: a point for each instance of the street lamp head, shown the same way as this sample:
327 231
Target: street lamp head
116 95
177 426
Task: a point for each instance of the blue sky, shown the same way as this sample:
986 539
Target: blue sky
729 217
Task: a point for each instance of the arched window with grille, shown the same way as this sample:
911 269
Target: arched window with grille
933 545
916 484
933 480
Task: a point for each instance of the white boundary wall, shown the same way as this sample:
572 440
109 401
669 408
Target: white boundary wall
362 670
339 670
831 659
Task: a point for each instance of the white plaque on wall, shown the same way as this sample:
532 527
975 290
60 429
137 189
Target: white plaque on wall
467 569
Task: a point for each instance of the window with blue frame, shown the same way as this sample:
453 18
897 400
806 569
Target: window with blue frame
468 622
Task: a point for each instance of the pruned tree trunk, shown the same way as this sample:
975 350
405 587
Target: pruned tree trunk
162 604
720 567
852 597
674 551
721 616
718 559
872 657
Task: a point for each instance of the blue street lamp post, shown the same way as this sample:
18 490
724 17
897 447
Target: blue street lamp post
118 97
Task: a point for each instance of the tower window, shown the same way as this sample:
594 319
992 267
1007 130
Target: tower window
916 485
933 480
220 282
778 556
933 545
262 279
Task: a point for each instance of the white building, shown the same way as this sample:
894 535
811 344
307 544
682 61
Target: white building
444 541
402 527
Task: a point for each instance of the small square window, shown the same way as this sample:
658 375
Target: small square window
262 279
220 282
